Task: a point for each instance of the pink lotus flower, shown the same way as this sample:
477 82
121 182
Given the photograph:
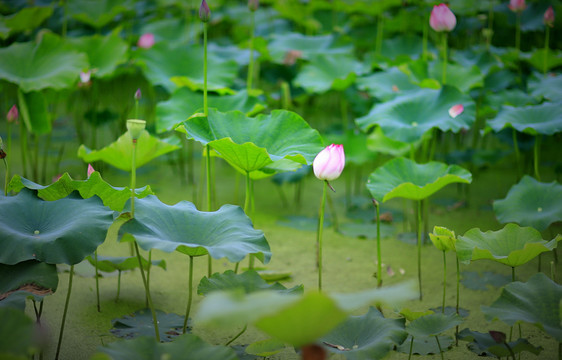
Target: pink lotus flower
329 163
548 18
138 94
90 170
442 18
146 41
456 110
13 114
517 5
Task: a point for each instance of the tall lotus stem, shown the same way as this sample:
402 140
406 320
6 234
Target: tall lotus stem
190 296
97 281
444 78
518 32
380 29
536 153
458 297
548 20
517 153
419 247
251 63
379 255
319 233
444 280
439 346
248 209
71 275
424 39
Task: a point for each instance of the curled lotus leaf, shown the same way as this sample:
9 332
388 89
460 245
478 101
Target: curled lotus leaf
31 277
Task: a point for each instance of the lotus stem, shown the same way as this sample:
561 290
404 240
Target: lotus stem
517 153
248 211
546 49
133 179
6 177
97 281
65 310
251 63
444 280
205 107
536 153
490 25
439 346
39 312
118 285
458 298
148 268
379 255
237 335
518 32
419 247
333 212
411 347
209 207
560 351
190 296
444 79
319 233
286 95
64 18
424 37
23 148
380 31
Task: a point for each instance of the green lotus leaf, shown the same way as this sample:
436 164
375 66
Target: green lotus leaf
364 7
249 280
462 77
409 116
388 295
120 152
307 46
146 348
378 142
537 302
111 263
409 45
18 340
265 348
250 144
531 203
112 197
425 345
35 112
536 58
433 324
140 324
231 52
369 336
97 13
548 87
162 62
543 119
32 278
483 344
26 19
355 145
405 178
51 63
184 103
386 85
513 97
325 72
227 232
443 238
481 58
513 245
171 30
475 281
55 232
104 52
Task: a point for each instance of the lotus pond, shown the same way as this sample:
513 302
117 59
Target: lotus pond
280 179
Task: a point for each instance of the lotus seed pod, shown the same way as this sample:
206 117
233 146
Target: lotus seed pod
135 127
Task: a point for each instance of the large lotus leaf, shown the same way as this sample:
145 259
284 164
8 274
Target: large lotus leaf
33 278
408 116
120 152
51 63
537 302
253 143
513 97
364 6
545 119
55 232
171 30
388 296
462 77
231 52
104 52
227 232
120 263
249 280
386 85
433 324
27 18
112 197
140 324
531 203
184 103
548 87
513 245
409 45
369 336
355 145
163 62
378 142
146 348
405 178
536 58
308 46
97 13
479 57
18 340
325 72
483 344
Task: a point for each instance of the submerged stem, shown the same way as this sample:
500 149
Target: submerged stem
444 280
71 275
379 255
150 304
439 346
419 247
190 296
97 280
319 233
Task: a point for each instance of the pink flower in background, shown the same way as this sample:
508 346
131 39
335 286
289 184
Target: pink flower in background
253 4
456 110
329 163
442 18
13 114
204 12
85 76
138 94
90 170
146 41
517 5
548 18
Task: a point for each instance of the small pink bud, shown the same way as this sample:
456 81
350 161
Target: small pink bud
90 170
13 114
442 18
517 5
329 163
456 110
498 336
85 76
549 17
138 94
146 41
253 4
204 12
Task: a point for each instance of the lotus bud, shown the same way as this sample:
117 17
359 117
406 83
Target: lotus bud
138 94
90 170
442 18
253 4
498 336
135 128
548 18
204 12
146 41
517 5
329 163
2 152
443 238
456 110
13 114
85 76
